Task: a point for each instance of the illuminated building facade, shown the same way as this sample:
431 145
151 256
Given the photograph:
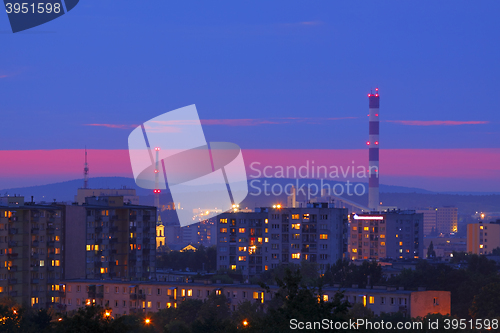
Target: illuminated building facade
483 238
31 252
120 239
447 219
252 242
394 234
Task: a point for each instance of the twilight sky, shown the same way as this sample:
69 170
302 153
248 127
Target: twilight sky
291 76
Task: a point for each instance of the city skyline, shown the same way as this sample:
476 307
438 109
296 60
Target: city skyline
307 90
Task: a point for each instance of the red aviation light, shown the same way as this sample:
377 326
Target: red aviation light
157 148
156 171
376 89
368 143
376 142
376 95
157 191
376 114
369 95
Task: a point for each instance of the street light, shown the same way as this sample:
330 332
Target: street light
245 323
147 321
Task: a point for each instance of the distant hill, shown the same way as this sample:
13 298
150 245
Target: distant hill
66 191
403 197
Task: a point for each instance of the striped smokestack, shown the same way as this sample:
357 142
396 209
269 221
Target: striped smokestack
373 145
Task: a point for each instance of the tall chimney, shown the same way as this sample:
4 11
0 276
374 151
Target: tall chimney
373 146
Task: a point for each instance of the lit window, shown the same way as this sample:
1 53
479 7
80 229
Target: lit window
382 243
354 250
325 298
481 246
382 236
241 230
354 228
296 226
372 299
266 240
400 243
367 236
88 247
233 267
323 236
223 220
242 258
42 263
295 216
295 255
266 268
223 230
242 248
366 228
183 292
481 227
190 292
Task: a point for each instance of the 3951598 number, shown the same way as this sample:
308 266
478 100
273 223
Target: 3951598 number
478 324
41 8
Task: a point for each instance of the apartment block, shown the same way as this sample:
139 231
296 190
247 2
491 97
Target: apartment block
447 220
483 238
31 252
392 234
252 242
122 297
120 239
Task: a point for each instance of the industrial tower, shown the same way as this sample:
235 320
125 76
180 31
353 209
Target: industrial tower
373 151
86 172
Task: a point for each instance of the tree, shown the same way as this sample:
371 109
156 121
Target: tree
485 304
295 300
430 251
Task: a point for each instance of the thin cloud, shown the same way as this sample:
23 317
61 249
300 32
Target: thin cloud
311 23
120 126
3 76
268 121
437 122
163 125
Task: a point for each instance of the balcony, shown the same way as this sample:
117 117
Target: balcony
99 294
133 296
98 230
12 255
35 255
35 244
50 231
133 229
12 231
12 281
35 231
13 268
12 244
141 296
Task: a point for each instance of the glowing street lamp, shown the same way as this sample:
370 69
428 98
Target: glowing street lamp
245 323
147 321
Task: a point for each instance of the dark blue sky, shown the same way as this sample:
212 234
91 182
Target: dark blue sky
124 62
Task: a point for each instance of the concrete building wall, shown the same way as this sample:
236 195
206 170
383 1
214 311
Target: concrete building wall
74 242
447 220
392 234
258 241
482 238
123 297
